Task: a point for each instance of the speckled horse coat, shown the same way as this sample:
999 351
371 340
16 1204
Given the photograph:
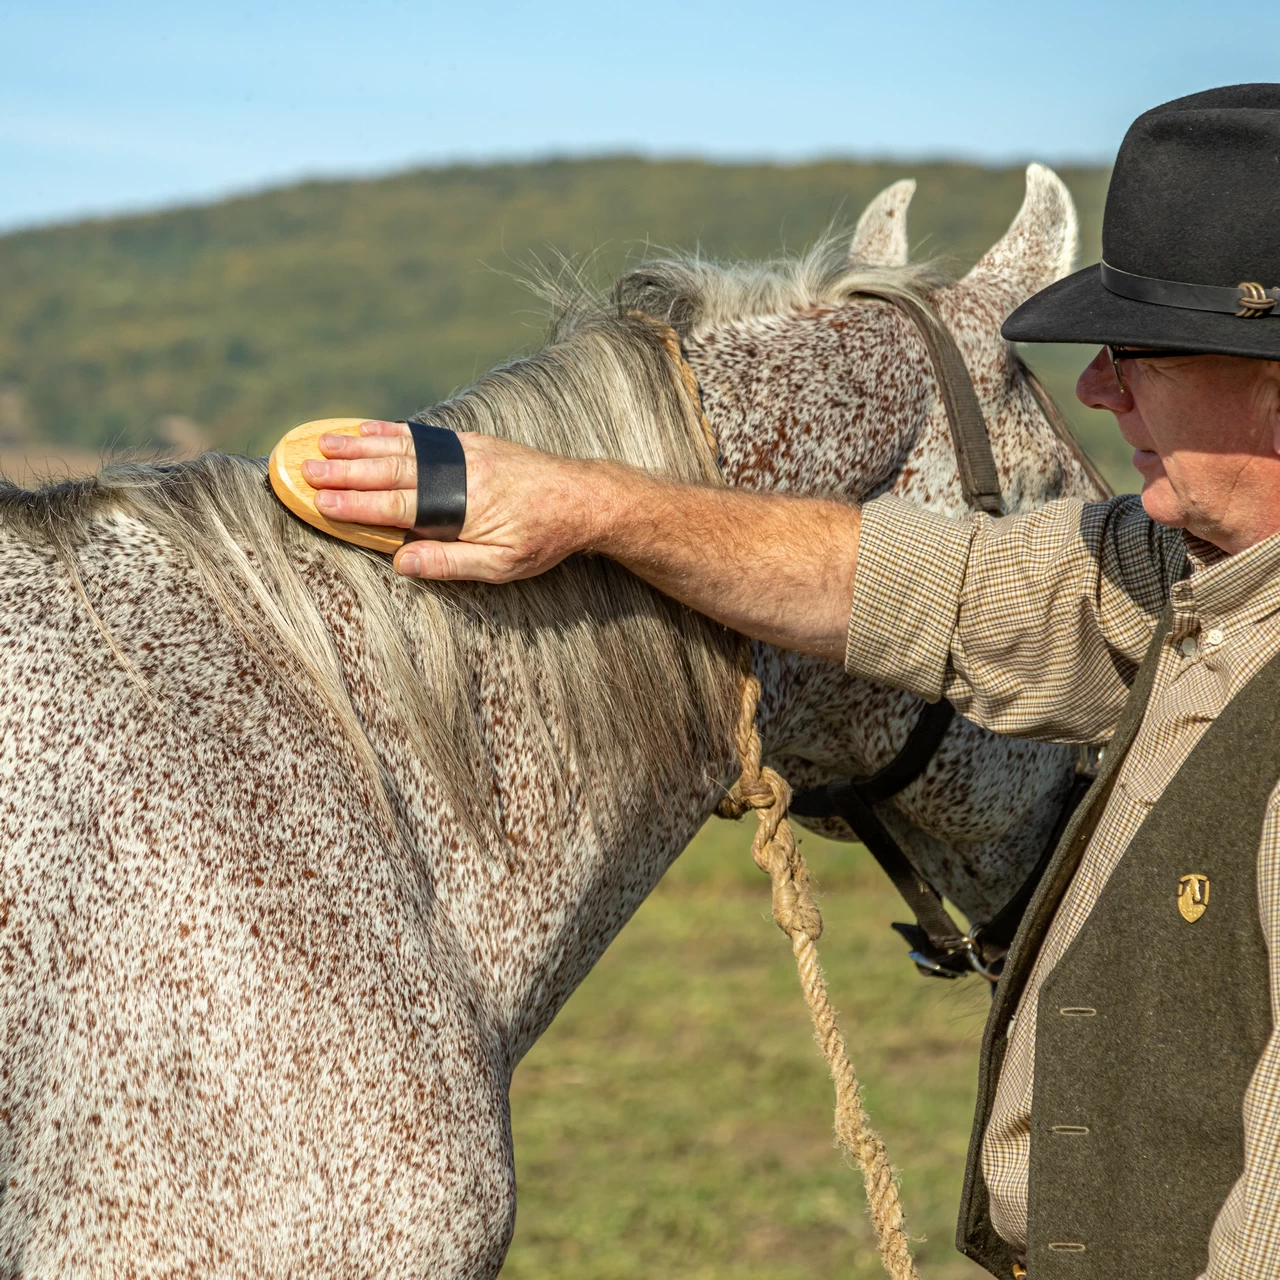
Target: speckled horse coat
262 993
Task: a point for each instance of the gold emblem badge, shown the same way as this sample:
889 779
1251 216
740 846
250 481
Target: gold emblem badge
1193 896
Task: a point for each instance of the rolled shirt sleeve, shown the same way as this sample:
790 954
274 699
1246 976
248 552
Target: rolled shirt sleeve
906 594
1031 625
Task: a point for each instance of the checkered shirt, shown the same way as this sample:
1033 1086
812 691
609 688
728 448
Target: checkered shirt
1035 625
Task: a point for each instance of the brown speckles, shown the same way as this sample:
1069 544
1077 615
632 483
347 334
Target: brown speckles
256 1027
173 1078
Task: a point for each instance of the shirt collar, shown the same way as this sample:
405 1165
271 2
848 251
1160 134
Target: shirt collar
1226 585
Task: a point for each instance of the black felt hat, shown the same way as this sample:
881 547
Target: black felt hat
1190 236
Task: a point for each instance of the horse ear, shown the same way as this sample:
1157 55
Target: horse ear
881 237
1040 245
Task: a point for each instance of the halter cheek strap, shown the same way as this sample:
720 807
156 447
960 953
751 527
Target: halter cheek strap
442 484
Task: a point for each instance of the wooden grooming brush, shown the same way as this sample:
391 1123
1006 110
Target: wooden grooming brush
302 444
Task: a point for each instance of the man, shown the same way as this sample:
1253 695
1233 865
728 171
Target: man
1137 1005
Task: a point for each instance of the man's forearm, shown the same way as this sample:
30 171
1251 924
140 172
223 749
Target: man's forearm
775 567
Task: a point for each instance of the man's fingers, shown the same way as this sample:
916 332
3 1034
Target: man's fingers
377 427
371 478
385 506
375 445
466 561
376 440
361 473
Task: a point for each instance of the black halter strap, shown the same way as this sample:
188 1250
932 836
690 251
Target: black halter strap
852 799
939 947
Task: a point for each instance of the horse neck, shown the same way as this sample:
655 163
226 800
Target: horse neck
528 908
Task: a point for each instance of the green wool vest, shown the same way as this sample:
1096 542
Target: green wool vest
1151 1024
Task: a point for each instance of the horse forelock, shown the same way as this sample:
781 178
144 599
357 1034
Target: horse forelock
696 294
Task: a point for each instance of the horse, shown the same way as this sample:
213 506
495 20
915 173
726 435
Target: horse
298 858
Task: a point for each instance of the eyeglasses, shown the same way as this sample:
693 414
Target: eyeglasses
1118 354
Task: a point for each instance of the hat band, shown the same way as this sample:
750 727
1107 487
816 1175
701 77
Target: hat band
1247 300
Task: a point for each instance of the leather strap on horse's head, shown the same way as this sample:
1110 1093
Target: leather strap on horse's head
939 946
979 479
975 462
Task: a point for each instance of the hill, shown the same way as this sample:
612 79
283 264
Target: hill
333 298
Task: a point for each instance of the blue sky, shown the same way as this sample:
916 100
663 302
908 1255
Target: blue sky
109 106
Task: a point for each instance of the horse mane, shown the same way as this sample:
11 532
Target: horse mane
606 670
597 657
694 293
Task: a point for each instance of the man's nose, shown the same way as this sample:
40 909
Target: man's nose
1098 388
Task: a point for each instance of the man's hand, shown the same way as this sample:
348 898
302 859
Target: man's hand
774 567
526 510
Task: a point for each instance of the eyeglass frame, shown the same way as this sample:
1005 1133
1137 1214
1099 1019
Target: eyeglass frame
1140 353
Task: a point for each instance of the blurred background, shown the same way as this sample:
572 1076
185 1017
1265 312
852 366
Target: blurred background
219 221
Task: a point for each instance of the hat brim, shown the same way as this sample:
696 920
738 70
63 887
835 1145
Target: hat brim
1081 308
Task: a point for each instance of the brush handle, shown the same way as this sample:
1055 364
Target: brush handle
442 484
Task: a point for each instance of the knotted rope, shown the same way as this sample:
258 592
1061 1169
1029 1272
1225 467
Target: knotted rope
797 915
795 911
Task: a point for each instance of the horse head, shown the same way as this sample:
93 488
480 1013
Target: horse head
814 384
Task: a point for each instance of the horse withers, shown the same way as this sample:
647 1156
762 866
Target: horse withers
298 858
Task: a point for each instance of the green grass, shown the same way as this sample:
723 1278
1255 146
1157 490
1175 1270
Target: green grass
676 1118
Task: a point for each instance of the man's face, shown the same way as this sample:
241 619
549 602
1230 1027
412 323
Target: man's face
1205 431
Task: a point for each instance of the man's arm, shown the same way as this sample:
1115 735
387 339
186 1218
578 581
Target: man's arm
773 567
1029 625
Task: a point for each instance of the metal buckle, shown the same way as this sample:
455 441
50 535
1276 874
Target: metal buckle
1255 301
975 960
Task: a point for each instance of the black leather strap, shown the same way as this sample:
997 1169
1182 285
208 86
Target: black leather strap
945 937
979 480
1249 301
852 798
911 761
442 484
938 945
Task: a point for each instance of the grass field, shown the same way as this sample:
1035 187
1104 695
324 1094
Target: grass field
676 1119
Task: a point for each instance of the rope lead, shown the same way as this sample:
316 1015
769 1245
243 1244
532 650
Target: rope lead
796 913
